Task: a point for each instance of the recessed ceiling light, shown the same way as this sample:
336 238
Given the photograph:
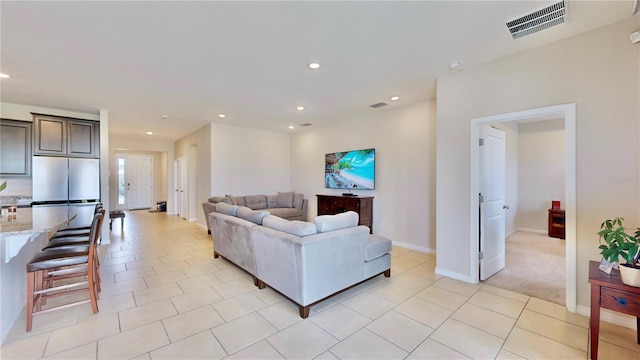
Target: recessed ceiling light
222 116
314 66
149 133
165 116
290 127
300 108
4 76
394 98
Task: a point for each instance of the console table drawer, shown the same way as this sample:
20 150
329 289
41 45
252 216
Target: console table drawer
620 301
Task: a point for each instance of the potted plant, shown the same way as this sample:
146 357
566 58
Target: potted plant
616 243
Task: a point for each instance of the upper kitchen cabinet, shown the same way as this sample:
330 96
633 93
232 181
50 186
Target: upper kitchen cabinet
62 136
15 148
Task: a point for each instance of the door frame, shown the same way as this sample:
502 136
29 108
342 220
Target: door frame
566 112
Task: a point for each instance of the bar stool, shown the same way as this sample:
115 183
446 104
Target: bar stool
65 262
77 230
74 239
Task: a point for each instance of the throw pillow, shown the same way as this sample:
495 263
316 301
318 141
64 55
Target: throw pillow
297 200
285 200
326 223
295 227
216 199
231 199
227 209
251 215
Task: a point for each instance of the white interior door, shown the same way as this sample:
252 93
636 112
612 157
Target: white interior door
492 204
183 189
176 186
138 175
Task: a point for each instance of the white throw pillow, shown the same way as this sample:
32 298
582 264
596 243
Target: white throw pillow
325 223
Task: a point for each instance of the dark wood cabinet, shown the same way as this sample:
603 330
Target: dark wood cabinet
50 135
335 204
15 148
82 138
54 135
556 223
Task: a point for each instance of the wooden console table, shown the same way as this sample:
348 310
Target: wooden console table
335 204
608 291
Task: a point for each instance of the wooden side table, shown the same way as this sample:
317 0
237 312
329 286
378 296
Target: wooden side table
608 291
556 223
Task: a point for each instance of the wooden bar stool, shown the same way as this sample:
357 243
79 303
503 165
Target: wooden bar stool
77 263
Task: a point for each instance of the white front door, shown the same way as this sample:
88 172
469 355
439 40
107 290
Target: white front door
137 181
492 203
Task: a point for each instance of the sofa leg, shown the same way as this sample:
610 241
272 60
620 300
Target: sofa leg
215 255
260 284
304 311
387 273
208 232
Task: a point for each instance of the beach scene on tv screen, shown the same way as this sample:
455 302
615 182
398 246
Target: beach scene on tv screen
350 170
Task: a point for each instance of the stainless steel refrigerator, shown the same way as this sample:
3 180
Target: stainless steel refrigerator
67 181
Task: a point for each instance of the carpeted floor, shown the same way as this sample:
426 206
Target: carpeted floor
535 266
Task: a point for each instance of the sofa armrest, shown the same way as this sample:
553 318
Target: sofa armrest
208 208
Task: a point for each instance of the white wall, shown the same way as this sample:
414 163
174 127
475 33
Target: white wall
248 161
404 197
541 172
196 147
597 70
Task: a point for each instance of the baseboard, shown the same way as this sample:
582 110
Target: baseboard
414 247
611 317
455 276
532 230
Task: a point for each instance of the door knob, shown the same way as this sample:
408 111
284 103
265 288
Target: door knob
505 207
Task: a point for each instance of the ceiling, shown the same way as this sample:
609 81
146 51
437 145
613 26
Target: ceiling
191 61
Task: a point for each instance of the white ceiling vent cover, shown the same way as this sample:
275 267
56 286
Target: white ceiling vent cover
542 19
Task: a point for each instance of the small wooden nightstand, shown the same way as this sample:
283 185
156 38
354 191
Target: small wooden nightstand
556 223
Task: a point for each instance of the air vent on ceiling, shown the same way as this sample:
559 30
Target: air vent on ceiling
542 19
380 104
305 124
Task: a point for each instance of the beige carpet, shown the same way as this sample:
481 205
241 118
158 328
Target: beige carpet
535 266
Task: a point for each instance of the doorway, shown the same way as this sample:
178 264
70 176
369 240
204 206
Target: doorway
181 181
567 112
135 181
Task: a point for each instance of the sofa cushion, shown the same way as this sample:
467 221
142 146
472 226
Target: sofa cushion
285 200
255 202
287 213
227 209
251 215
272 201
297 200
295 227
216 199
325 223
376 247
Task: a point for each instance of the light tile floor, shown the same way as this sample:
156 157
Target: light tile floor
164 296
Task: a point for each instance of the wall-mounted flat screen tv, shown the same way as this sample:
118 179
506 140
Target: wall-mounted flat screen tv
353 170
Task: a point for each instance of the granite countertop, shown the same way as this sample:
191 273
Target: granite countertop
35 220
19 200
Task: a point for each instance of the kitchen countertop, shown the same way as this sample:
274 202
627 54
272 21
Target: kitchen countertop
35 220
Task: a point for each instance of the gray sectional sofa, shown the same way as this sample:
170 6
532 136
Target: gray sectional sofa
287 205
305 261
